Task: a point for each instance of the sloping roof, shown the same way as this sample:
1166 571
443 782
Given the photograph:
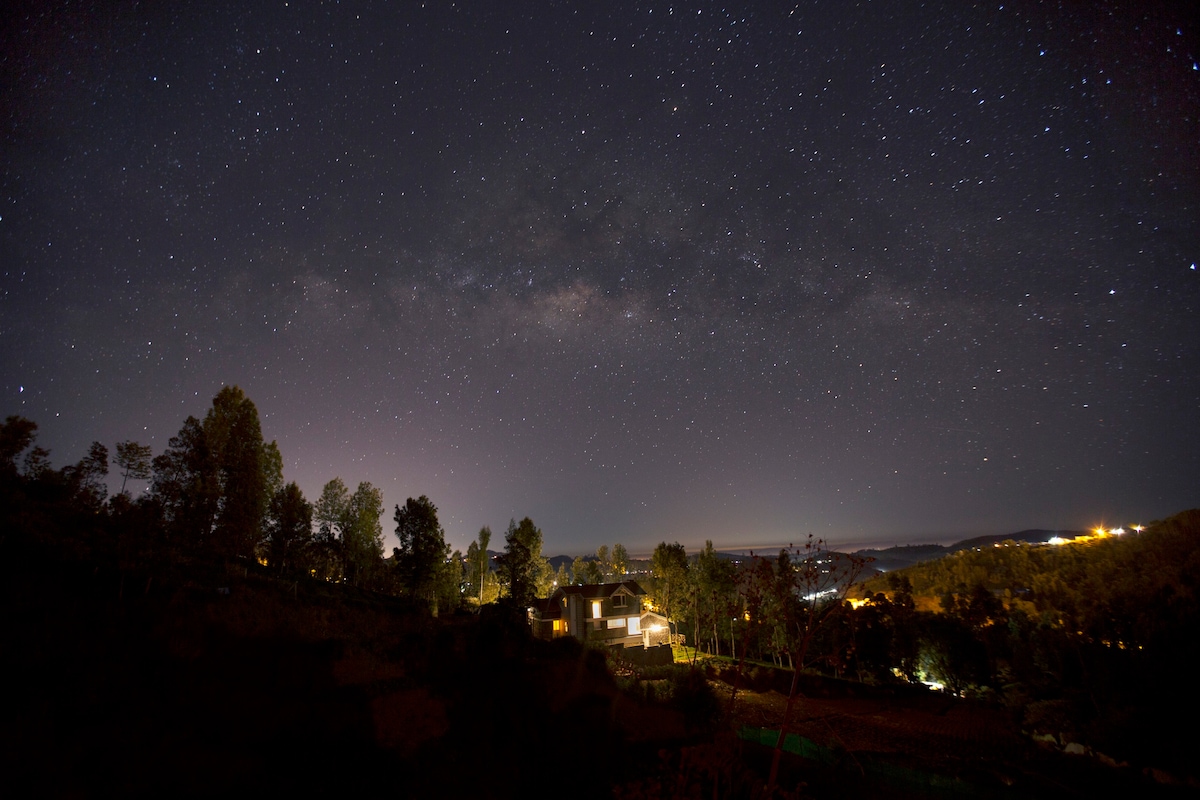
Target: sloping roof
548 608
600 591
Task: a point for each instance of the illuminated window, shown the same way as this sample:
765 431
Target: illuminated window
635 626
616 623
596 610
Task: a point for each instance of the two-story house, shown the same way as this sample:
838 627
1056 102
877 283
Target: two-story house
609 613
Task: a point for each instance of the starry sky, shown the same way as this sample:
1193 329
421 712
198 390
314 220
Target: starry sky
875 271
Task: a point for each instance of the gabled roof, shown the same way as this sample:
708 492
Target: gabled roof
548 608
601 591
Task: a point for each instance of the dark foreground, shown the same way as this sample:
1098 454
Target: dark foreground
210 680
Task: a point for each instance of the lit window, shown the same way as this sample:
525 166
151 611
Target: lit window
596 610
616 623
635 626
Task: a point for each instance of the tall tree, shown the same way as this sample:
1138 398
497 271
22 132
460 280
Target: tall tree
669 568
289 529
362 534
562 576
620 561
272 467
423 549
811 586
330 513
16 434
479 562
85 480
522 566
481 579
713 586
234 438
604 562
450 583
135 461
579 570
184 487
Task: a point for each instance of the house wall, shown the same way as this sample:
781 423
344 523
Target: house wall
578 619
598 628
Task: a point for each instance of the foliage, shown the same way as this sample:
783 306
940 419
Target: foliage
289 536
243 472
712 598
423 550
482 582
669 569
86 478
522 567
135 461
331 513
451 576
604 563
362 534
620 561
185 487
216 478
17 434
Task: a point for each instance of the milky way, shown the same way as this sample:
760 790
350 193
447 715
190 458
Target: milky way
874 271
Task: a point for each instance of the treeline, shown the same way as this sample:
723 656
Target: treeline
1131 590
1084 641
217 495
766 609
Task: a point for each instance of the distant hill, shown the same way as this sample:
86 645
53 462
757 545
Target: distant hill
899 557
567 561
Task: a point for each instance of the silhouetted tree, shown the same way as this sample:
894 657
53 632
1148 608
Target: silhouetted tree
423 549
522 566
85 480
450 584
16 435
135 461
185 488
478 564
811 585
244 470
289 530
330 512
362 534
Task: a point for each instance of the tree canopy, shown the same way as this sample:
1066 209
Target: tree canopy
522 567
423 549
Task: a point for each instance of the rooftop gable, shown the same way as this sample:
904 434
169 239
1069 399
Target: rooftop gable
601 591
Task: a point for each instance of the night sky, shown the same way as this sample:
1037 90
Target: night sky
876 271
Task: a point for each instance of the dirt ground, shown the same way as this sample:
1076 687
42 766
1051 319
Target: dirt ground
976 747
917 727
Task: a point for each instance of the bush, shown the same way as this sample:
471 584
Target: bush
692 696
